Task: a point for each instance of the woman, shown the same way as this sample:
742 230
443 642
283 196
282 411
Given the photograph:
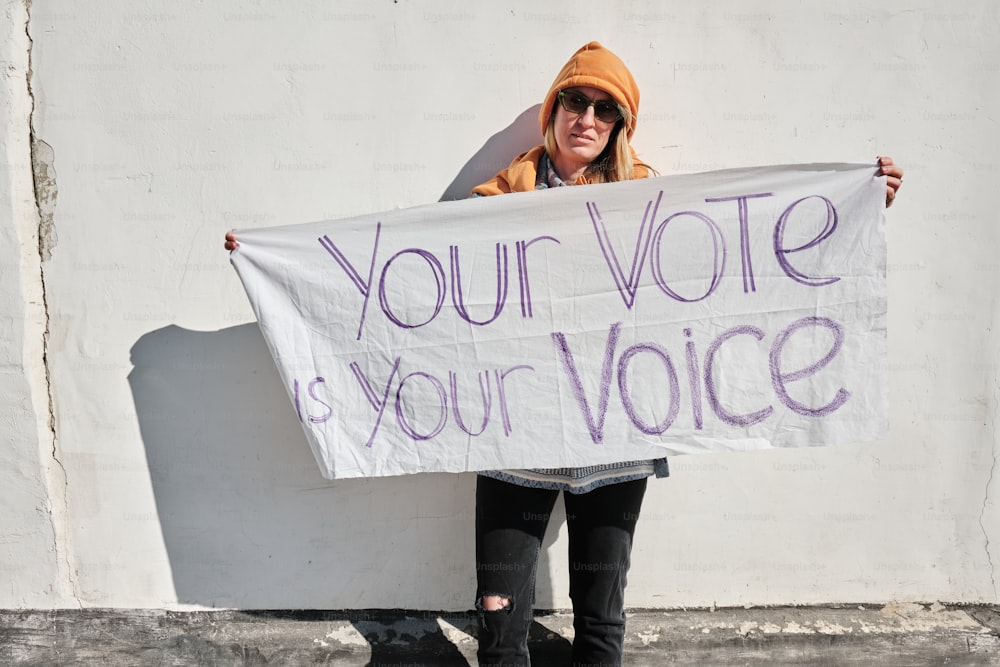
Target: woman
587 120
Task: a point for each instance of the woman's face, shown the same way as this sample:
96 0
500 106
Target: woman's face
582 137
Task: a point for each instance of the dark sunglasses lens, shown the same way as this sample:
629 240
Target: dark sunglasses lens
575 102
606 111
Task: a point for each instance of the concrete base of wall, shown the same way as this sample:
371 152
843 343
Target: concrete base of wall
896 634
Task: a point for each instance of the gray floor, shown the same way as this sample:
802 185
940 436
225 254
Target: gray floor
895 634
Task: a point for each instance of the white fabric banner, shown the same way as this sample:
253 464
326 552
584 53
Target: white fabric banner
732 310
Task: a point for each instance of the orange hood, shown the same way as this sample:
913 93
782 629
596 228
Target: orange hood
592 65
595 66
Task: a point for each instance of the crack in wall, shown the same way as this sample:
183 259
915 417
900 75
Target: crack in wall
992 425
982 525
45 194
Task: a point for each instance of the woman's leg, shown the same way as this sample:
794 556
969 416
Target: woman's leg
510 524
601 525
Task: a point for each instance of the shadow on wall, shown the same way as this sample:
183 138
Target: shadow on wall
247 519
496 153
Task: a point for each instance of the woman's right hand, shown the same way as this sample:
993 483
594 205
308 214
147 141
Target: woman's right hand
231 242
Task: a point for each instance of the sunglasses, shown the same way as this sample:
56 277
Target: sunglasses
606 111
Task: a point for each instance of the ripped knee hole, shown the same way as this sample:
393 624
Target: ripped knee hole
495 602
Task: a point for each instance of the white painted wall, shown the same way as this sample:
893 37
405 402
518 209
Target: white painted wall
186 480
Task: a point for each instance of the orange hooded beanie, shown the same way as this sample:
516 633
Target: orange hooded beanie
595 66
592 65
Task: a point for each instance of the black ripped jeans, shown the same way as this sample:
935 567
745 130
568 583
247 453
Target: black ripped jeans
510 524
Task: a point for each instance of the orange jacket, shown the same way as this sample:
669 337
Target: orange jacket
522 174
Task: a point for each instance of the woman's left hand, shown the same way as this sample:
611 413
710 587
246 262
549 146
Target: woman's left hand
893 178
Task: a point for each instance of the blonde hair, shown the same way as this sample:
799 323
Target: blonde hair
615 161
